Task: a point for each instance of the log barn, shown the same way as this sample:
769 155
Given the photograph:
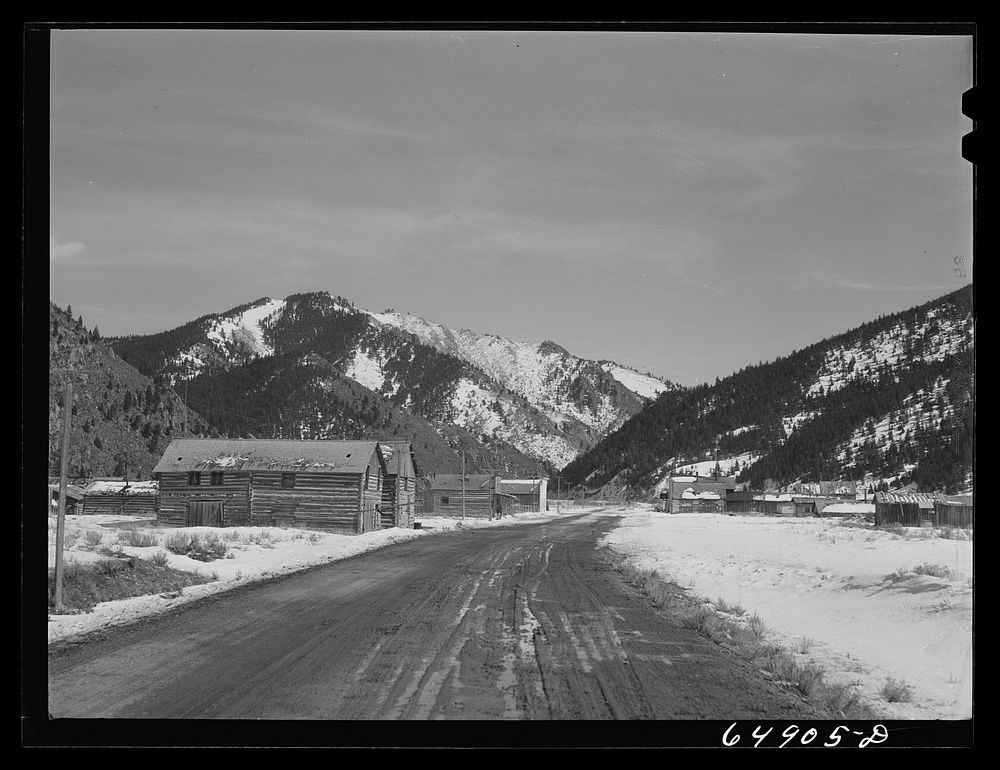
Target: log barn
399 490
119 497
335 486
445 495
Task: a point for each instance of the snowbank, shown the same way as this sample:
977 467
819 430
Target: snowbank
847 593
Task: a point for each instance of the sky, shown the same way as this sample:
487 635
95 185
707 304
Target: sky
686 203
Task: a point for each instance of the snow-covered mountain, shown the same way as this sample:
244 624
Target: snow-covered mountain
537 398
892 401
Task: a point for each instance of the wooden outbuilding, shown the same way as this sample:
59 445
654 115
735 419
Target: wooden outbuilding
446 493
954 511
528 494
335 486
118 497
697 494
74 497
399 490
913 509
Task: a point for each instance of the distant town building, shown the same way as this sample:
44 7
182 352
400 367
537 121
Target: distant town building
477 497
528 494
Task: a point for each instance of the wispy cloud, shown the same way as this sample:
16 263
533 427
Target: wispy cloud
61 252
816 280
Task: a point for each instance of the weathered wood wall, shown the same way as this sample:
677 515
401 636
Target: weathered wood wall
953 515
399 500
128 505
176 493
478 503
329 501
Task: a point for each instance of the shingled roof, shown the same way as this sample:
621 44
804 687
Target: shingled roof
395 452
453 481
208 454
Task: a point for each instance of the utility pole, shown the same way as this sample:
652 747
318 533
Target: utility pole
63 473
463 485
63 469
558 492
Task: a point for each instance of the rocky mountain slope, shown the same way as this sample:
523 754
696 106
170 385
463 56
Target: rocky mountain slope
536 400
892 400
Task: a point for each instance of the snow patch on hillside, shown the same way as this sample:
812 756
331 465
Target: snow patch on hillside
640 384
366 370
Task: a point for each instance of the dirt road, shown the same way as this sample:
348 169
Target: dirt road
522 622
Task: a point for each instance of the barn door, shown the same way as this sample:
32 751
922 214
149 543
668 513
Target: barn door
205 513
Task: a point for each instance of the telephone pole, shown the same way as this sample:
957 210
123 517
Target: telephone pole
63 473
63 469
463 485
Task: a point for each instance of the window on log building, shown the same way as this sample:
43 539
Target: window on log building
216 478
288 480
194 478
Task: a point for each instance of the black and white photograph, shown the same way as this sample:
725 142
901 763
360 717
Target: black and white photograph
457 374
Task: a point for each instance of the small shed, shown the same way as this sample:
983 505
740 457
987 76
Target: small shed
119 497
399 490
447 492
528 494
74 497
954 511
912 509
330 485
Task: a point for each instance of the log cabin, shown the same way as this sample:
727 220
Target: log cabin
335 486
399 490
476 499
119 497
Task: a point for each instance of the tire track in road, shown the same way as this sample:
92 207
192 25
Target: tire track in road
510 623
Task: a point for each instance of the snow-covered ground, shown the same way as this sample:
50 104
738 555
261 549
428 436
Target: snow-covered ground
255 553
847 595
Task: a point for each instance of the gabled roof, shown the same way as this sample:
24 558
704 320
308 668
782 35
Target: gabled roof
208 454
956 500
73 492
395 452
923 499
521 486
123 488
453 481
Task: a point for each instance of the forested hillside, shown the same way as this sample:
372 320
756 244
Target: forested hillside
120 420
892 399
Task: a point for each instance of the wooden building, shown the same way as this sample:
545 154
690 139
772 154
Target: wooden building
331 485
741 502
74 497
119 497
914 509
529 494
446 492
954 511
697 494
399 489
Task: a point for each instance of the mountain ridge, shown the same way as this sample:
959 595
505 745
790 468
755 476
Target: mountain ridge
891 399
